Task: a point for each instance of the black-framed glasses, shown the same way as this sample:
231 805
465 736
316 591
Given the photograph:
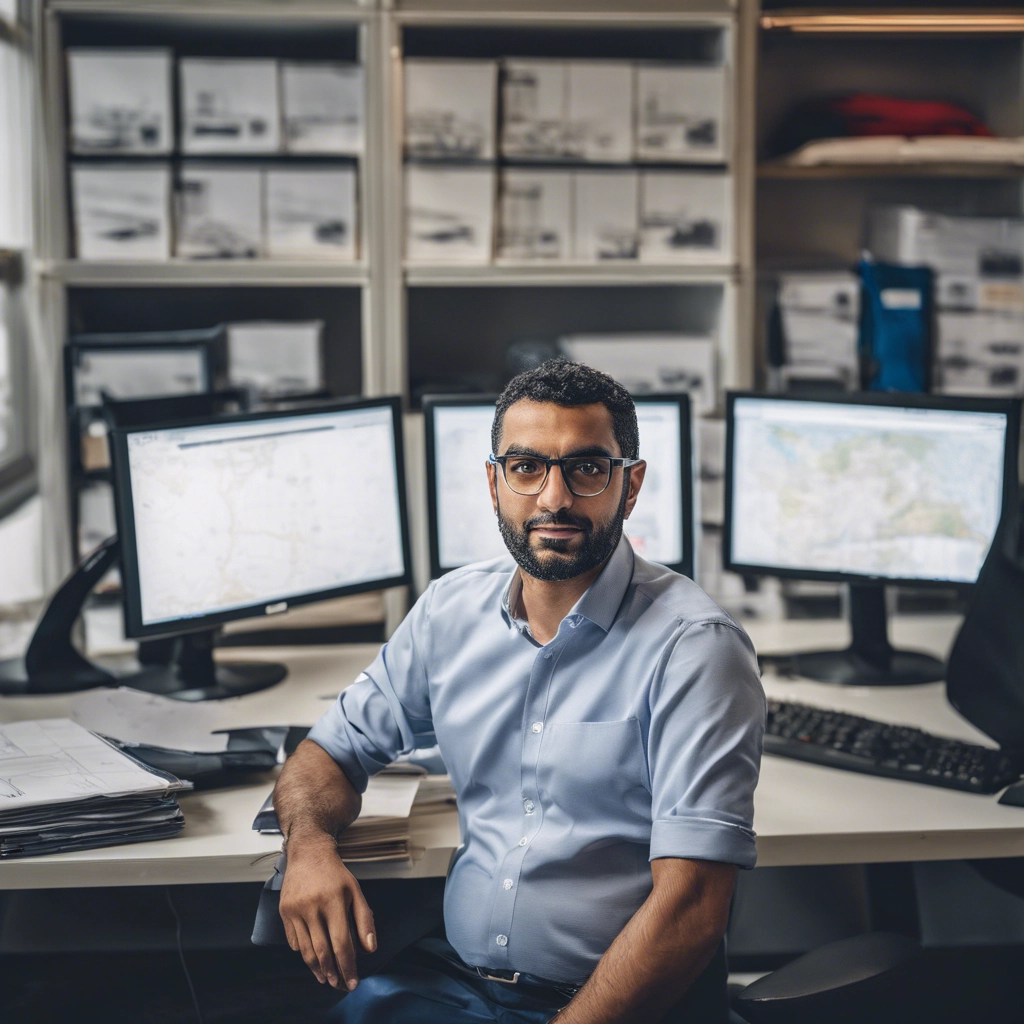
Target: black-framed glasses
586 476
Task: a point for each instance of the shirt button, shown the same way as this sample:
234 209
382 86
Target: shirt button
536 727
502 940
523 841
507 884
528 806
547 655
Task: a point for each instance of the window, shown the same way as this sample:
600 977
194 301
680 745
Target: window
16 463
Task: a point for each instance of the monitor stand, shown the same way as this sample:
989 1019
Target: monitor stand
870 660
186 671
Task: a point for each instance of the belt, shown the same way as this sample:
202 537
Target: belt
561 990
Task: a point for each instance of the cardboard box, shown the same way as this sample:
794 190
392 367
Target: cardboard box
979 353
600 111
120 100
450 108
685 217
229 105
812 336
311 213
449 214
534 109
121 213
536 215
220 213
681 113
837 293
606 208
987 247
651 363
955 292
323 107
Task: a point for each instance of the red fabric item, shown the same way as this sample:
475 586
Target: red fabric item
881 115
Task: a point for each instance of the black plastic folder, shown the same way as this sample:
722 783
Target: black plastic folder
63 788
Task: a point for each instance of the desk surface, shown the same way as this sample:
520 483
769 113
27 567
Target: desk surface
805 814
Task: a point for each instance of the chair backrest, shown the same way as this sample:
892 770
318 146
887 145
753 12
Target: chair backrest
985 675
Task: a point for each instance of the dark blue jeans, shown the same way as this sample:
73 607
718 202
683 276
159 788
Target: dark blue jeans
422 985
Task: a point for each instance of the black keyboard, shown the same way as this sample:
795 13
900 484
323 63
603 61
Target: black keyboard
840 740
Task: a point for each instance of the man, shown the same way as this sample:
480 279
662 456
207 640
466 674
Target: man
601 719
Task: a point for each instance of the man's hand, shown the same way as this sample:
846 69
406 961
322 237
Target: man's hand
315 801
320 897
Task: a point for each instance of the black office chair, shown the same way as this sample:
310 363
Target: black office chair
884 978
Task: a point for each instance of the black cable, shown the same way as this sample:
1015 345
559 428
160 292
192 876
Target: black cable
181 956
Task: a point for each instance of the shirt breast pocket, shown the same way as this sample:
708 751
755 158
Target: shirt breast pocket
596 770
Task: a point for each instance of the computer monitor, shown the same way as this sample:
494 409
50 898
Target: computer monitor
867 489
248 515
462 525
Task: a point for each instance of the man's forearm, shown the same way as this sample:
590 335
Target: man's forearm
313 798
664 948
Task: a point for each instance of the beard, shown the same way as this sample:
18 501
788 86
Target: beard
596 545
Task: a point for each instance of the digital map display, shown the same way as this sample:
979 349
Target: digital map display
872 490
237 514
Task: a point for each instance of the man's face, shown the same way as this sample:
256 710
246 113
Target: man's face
554 534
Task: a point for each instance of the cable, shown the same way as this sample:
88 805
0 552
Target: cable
181 956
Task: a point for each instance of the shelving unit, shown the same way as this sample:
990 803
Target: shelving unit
395 314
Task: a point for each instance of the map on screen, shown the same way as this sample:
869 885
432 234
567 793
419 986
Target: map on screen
900 493
236 514
467 530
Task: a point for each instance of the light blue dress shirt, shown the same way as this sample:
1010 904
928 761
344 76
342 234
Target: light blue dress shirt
634 734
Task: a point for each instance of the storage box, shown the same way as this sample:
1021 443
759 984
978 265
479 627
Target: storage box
220 213
987 247
990 295
450 108
680 113
121 213
837 293
980 353
449 214
120 100
276 359
651 363
606 215
534 109
311 213
323 108
536 215
229 106
600 111
685 217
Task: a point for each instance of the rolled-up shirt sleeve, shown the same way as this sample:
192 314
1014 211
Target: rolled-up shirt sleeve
386 711
704 746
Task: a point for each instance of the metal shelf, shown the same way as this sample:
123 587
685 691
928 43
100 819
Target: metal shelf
197 273
554 274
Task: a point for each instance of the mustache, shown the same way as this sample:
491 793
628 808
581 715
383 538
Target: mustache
560 518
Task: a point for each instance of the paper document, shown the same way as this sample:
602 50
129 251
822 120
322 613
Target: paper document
55 760
390 796
132 716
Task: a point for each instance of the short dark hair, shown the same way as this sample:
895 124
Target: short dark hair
568 384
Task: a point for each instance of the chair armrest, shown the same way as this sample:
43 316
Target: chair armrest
870 977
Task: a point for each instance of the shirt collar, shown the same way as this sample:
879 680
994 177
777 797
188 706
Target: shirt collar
600 603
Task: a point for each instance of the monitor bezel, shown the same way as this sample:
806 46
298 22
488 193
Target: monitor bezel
431 402
1009 407
135 628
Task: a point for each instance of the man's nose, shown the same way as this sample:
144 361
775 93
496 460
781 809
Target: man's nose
554 495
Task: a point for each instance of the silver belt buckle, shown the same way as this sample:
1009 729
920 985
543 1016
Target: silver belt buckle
493 977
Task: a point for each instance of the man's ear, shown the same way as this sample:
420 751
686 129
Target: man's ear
492 484
636 479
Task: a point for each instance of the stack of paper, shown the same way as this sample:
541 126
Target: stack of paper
63 788
394 801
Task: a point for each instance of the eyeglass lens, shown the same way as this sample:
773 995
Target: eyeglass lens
585 476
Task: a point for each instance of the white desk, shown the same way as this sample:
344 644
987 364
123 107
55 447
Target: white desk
805 814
